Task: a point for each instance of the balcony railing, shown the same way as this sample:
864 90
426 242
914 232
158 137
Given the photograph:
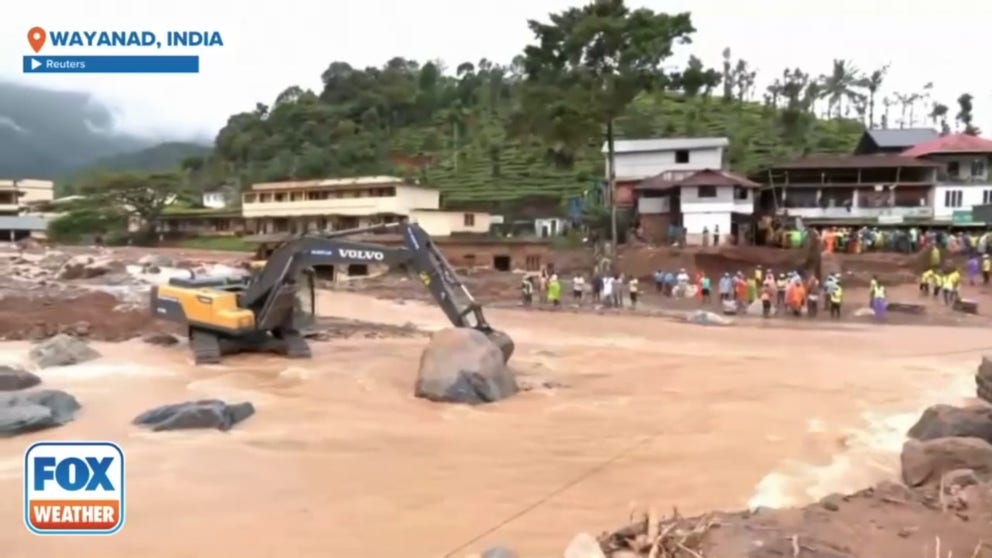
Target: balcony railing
856 212
964 180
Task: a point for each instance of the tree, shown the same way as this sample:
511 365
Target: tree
938 114
964 116
590 63
143 197
695 78
841 85
872 83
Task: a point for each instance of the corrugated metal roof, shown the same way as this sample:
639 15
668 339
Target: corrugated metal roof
665 144
328 183
23 223
901 137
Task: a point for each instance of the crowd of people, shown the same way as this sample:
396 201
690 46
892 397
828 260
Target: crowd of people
907 240
609 290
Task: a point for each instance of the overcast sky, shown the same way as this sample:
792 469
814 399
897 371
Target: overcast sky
271 45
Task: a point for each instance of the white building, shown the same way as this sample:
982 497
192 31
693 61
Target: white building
672 158
214 200
964 180
708 203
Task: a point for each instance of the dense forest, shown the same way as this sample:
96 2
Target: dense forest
500 134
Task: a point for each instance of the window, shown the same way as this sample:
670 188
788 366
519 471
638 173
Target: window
953 198
706 191
954 169
469 219
682 156
978 169
249 198
532 263
740 193
987 196
280 197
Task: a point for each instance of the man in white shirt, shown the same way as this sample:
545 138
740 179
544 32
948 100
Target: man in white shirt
607 290
578 286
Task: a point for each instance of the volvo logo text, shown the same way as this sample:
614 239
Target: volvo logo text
361 254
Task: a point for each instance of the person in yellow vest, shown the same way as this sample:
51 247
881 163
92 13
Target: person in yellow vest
836 298
986 269
926 279
633 287
758 275
949 286
554 290
780 286
872 287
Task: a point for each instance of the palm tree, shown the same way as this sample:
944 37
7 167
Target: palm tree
841 85
872 83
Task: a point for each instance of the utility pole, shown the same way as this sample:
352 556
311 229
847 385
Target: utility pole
611 185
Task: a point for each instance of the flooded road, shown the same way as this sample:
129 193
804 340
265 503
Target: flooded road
341 460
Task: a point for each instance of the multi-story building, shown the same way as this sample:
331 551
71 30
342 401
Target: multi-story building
963 180
17 198
669 158
851 189
707 204
343 203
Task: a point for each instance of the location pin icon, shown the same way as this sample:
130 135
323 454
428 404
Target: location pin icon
36 38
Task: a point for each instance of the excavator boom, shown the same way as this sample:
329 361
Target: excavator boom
259 314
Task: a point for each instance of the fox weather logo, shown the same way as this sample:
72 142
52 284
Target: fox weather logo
74 488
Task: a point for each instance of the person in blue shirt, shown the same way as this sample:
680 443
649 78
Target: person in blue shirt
659 280
669 283
726 287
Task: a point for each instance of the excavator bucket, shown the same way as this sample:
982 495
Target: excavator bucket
503 341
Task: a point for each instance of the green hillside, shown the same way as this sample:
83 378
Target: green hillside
457 133
157 158
534 128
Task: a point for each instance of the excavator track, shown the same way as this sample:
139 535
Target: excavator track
296 345
205 346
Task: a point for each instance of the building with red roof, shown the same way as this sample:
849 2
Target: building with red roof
963 180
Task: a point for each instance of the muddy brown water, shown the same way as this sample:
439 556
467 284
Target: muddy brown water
341 460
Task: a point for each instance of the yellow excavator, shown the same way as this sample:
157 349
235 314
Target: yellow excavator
262 312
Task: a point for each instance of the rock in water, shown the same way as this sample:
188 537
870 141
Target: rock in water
702 317
36 410
924 463
944 421
209 413
87 267
61 350
160 339
156 260
461 365
983 380
499 552
13 378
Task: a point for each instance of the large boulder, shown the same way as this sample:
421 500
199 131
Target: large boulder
983 380
906 308
61 350
87 267
13 378
944 421
30 411
925 462
210 413
462 365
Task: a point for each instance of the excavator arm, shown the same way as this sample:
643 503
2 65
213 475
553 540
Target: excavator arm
270 295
